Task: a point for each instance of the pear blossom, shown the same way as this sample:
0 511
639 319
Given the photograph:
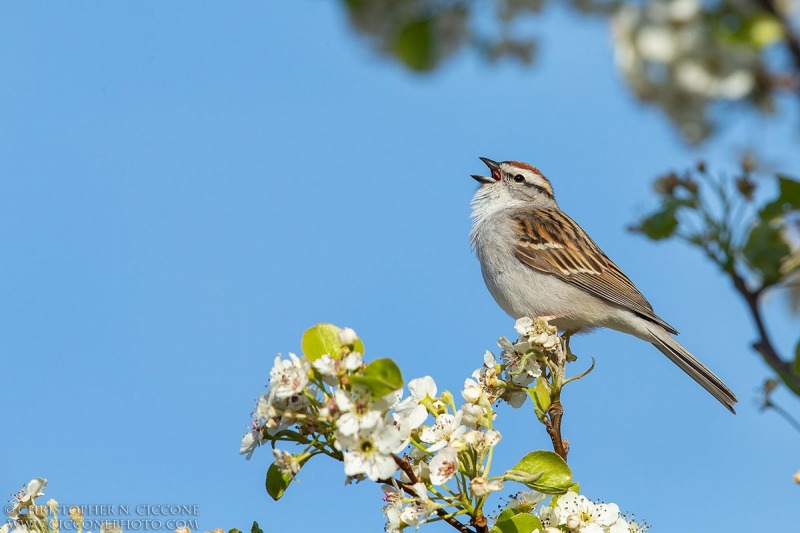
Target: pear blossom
420 508
577 512
250 441
422 390
353 361
447 430
526 500
327 366
26 496
5 527
286 462
482 440
394 498
356 413
408 420
473 392
347 336
476 416
369 452
444 466
288 377
32 490
480 486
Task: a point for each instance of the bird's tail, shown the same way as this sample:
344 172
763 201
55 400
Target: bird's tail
680 356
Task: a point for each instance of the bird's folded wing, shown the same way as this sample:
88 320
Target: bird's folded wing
552 243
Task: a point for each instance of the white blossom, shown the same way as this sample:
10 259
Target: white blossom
473 392
577 512
26 496
250 441
347 336
288 377
410 413
369 452
526 500
480 486
524 326
355 414
447 430
477 415
286 462
353 361
481 441
393 497
326 365
444 466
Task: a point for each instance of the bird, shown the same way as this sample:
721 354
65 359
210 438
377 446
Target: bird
538 262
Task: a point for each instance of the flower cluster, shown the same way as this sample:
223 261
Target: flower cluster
28 517
684 56
330 407
579 514
431 452
572 512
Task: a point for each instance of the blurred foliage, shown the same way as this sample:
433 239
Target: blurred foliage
684 56
754 240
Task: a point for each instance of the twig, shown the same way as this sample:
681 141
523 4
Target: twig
403 465
785 414
553 425
764 345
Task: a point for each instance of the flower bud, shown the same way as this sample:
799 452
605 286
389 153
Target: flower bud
746 187
481 487
665 185
183 529
447 397
573 522
76 513
796 477
347 336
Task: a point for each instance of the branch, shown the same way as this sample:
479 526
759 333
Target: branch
403 465
764 345
553 425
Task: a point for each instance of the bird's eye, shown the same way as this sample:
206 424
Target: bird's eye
519 178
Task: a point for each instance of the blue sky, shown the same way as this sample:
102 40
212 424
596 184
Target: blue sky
186 187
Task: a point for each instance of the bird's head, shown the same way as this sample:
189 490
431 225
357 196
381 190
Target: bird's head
517 182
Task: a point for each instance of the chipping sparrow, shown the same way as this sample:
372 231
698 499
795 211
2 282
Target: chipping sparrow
536 261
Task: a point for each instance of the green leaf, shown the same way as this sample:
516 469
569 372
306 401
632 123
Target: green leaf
540 394
546 472
414 44
796 365
764 251
660 225
255 528
277 482
506 514
520 523
320 340
381 377
234 530
788 199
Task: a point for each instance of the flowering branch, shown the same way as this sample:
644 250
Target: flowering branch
432 456
757 247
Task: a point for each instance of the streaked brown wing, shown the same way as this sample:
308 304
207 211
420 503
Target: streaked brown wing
551 242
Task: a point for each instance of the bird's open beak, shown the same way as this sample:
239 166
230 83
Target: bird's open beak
494 166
